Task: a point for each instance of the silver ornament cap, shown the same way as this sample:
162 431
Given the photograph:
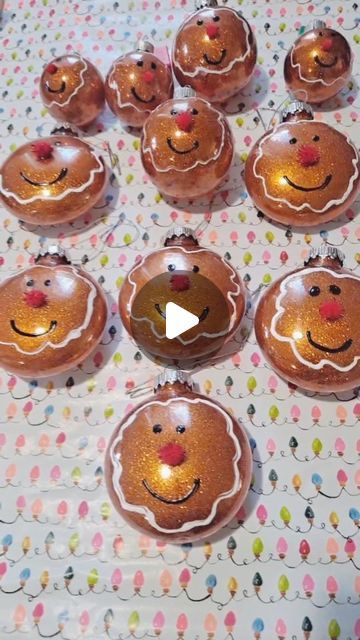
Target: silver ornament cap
170 376
326 251
203 4
52 250
294 108
184 92
145 45
177 232
316 24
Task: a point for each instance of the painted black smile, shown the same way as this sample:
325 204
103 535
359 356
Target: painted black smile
136 95
156 495
171 145
307 189
344 347
61 89
215 62
204 314
53 324
34 183
327 65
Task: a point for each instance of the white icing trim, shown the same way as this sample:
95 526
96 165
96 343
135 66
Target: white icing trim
75 333
76 90
280 310
297 66
231 295
221 121
93 172
201 69
305 205
114 85
145 511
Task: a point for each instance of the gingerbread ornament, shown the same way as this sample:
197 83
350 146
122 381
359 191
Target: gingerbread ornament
136 84
319 64
192 277
178 467
52 315
293 175
187 146
52 180
214 51
72 90
307 324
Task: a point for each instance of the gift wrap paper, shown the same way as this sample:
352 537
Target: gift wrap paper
288 566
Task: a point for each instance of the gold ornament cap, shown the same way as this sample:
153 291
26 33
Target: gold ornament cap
171 376
203 4
145 45
53 251
184 92
296 108
325 251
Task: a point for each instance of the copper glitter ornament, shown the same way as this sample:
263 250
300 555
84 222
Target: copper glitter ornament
192 277
186 147
308 327
52 180
293 175
214 52
318 64
136 84
178 467
72 90
52 315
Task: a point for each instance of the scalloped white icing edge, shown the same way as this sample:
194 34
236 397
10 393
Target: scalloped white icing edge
291 341
93 172
306 204
297 66
145 511
75 333
221 121
231 295
200 69
76 90
114 85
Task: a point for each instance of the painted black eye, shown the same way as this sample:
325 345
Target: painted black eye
153 65
216 18
200 22
180 428
173 112
30 283
194 112
314 291
196 269
293 140
171 267
335 289
157 428
316 138
47 283
140 63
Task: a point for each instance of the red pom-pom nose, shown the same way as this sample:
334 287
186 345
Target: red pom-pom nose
148 76
308 155
35 298
172 454
184 120
42 150
179 282
331 310
212 30
51 68
327 44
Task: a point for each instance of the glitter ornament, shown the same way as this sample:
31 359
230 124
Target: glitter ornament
192 277
293 175
178 467
318 64
187 146
72 90
52 316
214 51
52 180
136 84
307 326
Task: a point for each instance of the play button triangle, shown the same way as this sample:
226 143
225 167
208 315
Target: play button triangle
178 320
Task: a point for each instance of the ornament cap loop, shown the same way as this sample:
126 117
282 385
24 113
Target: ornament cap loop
296 108
170 376
203 4
145 45
53 251
184 92
325 251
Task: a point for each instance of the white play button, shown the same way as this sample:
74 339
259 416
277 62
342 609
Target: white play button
178 320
